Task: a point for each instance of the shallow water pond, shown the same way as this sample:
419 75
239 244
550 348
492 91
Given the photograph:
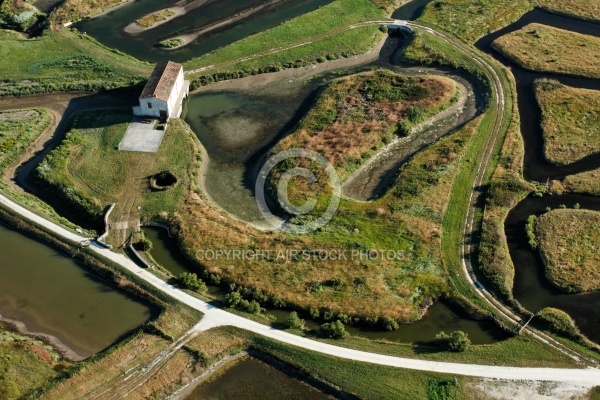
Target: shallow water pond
252 379
54 295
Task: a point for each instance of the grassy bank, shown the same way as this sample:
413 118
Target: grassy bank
495 265
568 242
588 10
569 121
584 182
74 10
314 37
470 20
543 48
362 113
65 61
18 129
25 364
89 172
505 189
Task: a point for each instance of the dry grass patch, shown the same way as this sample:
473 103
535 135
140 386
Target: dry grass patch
74 10
176 319
585 9
569 121
471 20
569 242
585 182
139 350
217 342
357 115
543 48
404 220
177 371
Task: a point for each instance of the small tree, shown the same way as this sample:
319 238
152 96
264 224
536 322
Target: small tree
233 299
192 282
390 323
294 321
333 330
457 341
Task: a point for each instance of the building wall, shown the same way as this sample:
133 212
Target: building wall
151 107
175 92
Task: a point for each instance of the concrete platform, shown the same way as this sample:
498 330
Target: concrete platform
141 136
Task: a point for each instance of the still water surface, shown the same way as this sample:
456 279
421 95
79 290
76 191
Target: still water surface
54 295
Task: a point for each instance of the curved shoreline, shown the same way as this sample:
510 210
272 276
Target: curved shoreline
215 317
362 186
192 36
62 348
135 29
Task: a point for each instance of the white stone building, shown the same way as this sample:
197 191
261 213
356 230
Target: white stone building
163 95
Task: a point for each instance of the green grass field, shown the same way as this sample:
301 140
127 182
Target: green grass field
25 364
569 121
569 245
307 38
64 61
89 171
543 48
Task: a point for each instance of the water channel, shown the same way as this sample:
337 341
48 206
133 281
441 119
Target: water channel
109 28
531 288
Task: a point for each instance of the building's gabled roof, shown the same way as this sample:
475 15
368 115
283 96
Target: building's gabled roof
161 81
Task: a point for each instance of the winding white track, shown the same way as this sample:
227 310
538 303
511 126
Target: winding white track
214 317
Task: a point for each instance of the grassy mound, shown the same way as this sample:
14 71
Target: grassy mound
543 48
357 115
558 322
589 10
585 182
569 121
569 245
